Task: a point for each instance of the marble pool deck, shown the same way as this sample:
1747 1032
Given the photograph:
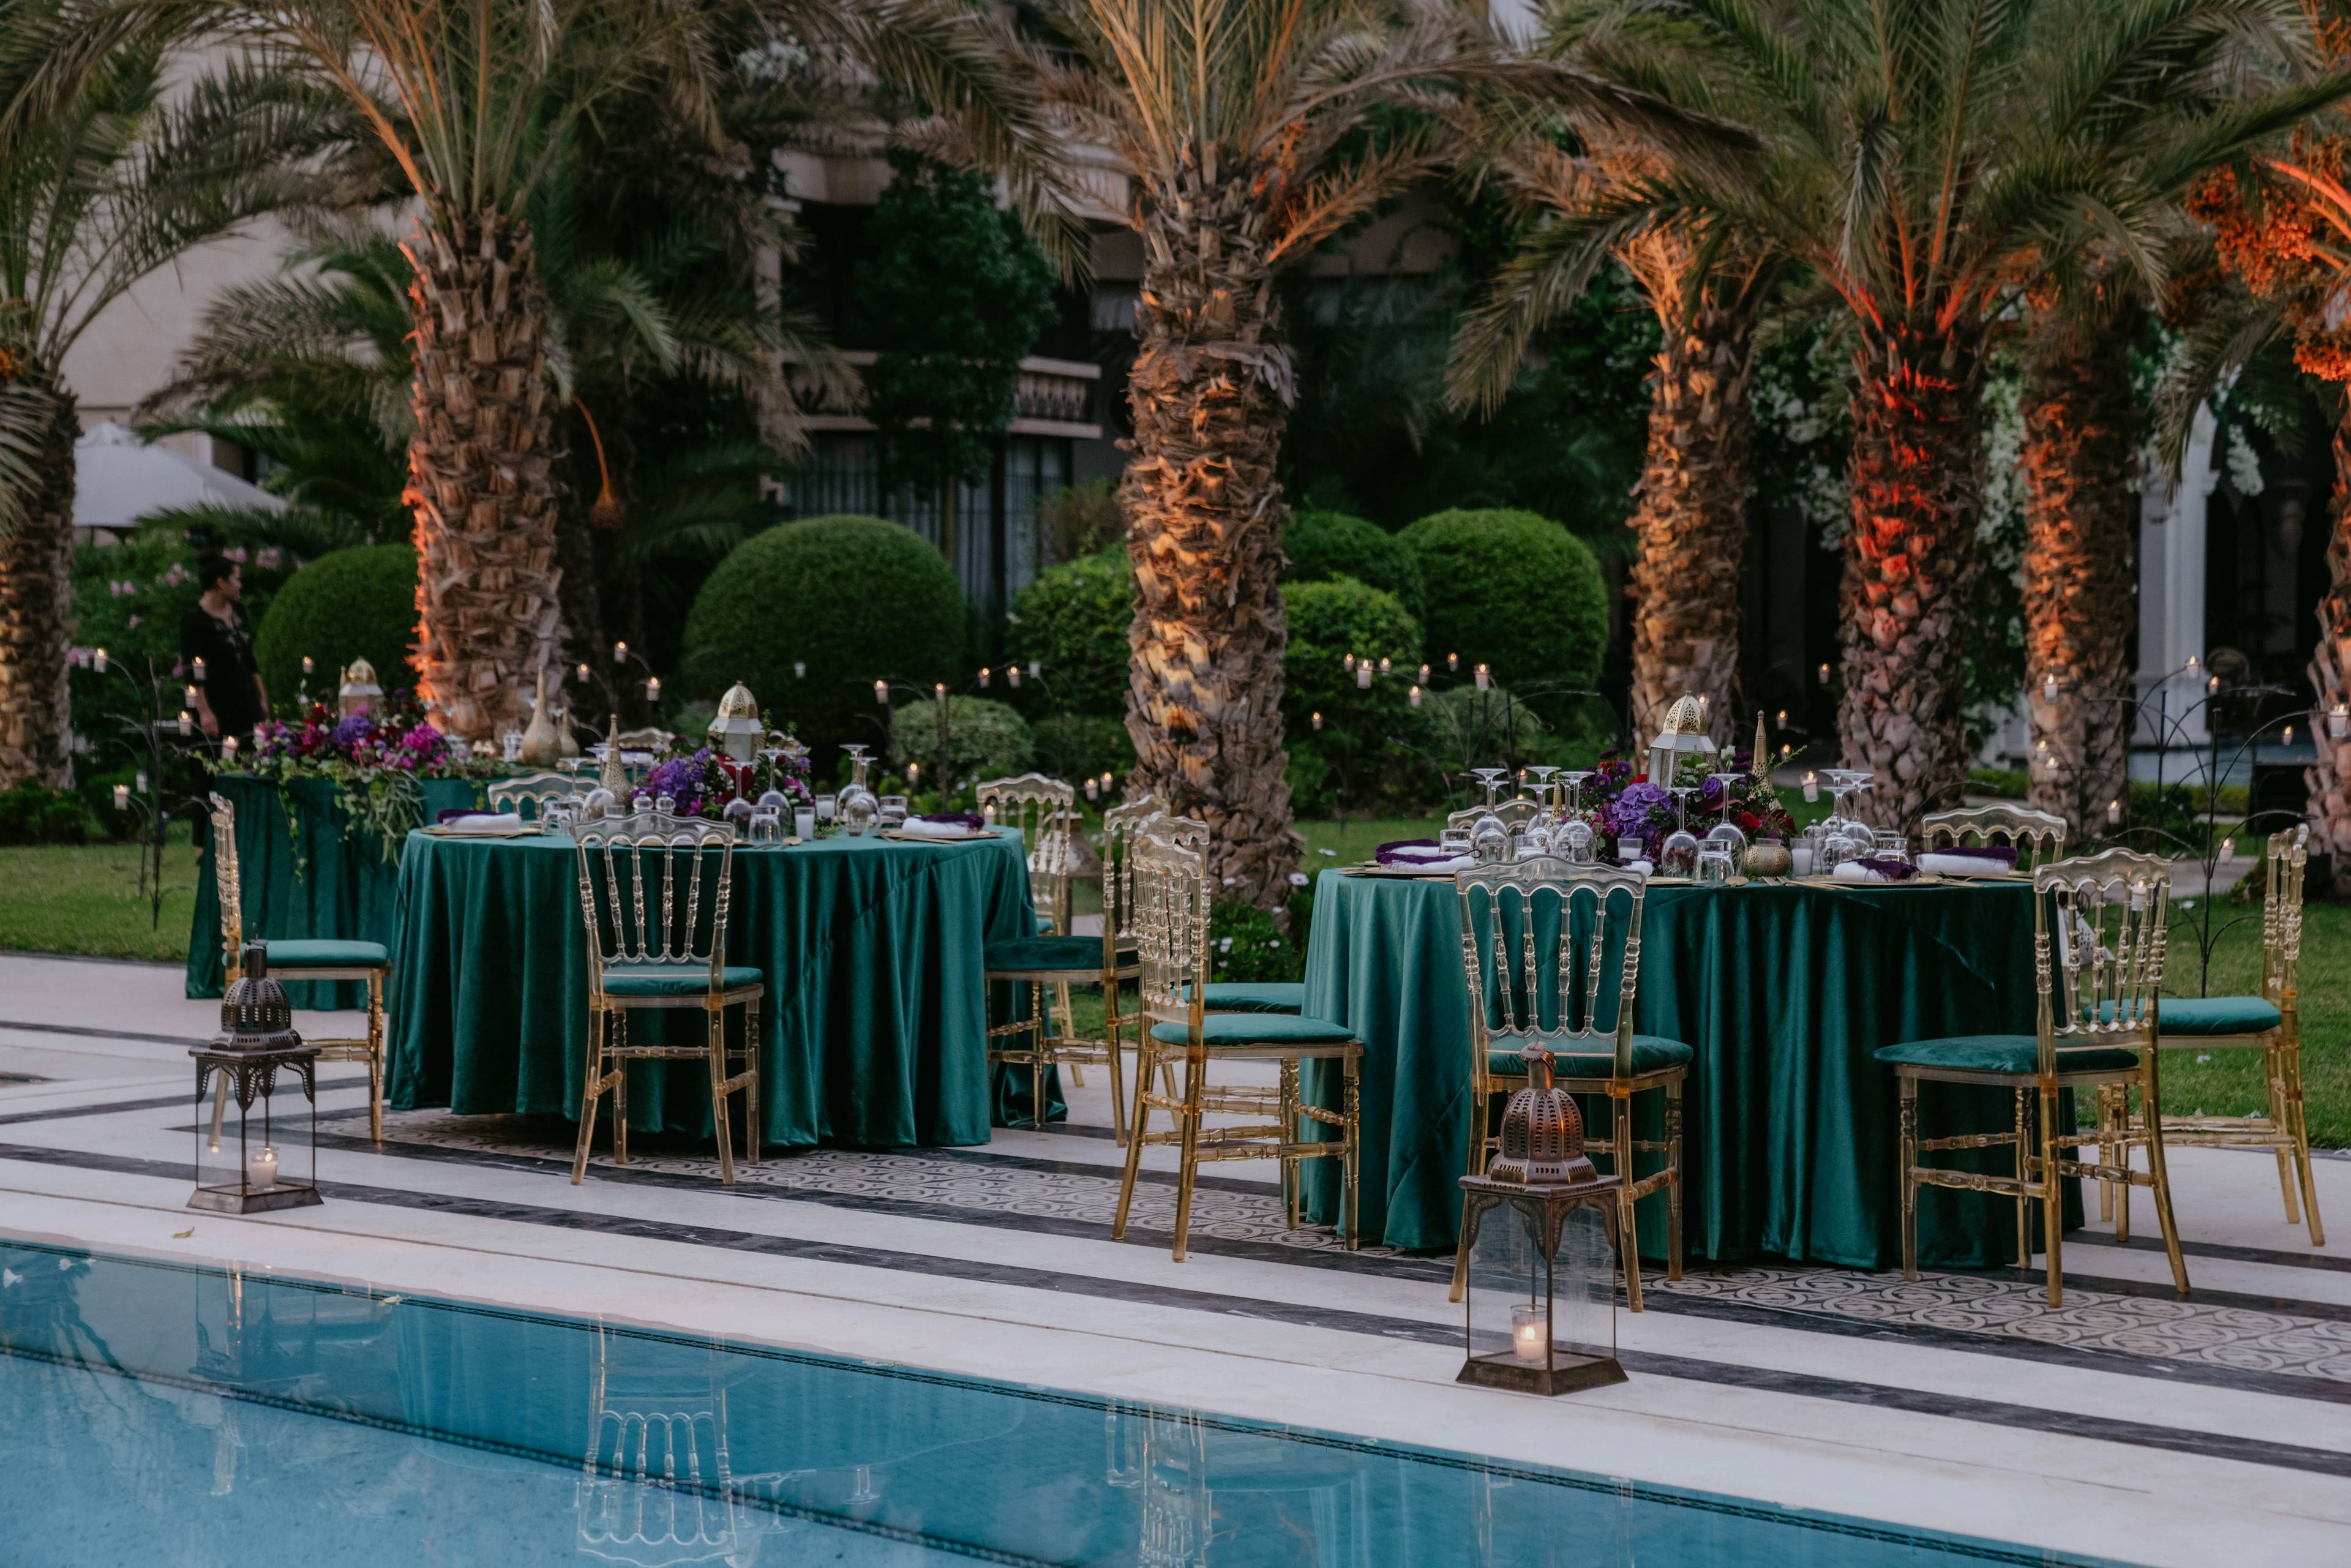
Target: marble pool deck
2129 1426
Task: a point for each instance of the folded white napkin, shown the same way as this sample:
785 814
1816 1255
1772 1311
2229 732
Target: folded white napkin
1646 868
1854 871
923 827
1450 862
1961 866
486 822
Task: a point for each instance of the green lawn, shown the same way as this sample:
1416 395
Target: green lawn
84 898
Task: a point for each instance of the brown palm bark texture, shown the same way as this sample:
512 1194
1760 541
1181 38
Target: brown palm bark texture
36 567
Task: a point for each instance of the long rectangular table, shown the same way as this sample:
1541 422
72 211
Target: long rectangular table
873 1026
1791 1129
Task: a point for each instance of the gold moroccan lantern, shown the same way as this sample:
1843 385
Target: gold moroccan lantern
737 732
256 1142
1539 1252
360 691
1684 736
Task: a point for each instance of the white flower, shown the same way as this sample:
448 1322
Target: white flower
1298 878
1332 853
1225 946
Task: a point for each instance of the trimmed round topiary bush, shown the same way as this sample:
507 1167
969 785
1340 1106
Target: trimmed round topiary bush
857 599
1329 620
1324 545
1516 592
985 740
356 603
1075 618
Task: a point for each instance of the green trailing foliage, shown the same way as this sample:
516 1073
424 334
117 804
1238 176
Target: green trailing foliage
1515 591
32 814
854 599
1323 545
1074 619
357 603
985 740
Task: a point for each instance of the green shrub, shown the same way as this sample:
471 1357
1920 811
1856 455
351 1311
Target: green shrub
32 814
1328 621
985 740
1246 944
1077 746
1515 591
856 598
1074 618
2008 783
357 603
1324 545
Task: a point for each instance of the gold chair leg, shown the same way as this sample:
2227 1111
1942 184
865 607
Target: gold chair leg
1289 1165
2120 1155
1620 1126
1067 1016
1145 1051
1673 1179
1113 1033
1477 1165
1037 1038
2151 1112
1352 1134
1910 1177
589 1093
2053 1202
751 1108
2106 1133
714 1057
375 1055
2025 1204
619 1018
2274 1065
1195 1074
2300 1128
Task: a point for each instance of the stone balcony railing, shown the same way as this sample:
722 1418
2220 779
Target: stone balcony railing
1051 397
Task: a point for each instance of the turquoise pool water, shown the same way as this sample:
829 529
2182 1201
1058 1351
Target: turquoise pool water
161 1415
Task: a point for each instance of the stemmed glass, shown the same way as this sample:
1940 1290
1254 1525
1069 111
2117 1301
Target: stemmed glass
1491 777
1680 855
856 806
1489 839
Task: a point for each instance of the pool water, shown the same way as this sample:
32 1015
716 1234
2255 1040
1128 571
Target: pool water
161 1414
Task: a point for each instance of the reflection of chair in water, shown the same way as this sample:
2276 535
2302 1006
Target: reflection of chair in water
655 1486
1202 1483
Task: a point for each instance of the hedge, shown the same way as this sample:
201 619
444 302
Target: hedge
356 603
985 740
1323 545
1516 592
853 598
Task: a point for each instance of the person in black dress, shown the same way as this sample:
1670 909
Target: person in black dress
230 697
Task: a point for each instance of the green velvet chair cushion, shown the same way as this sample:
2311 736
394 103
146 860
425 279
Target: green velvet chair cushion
1651 1053
1255 1028
678 982
1255 996
324 954
1046 953
1999 1053
2215 1015
1044 925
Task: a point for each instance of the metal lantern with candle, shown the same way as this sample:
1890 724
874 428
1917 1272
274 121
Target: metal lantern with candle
1539 1252
269 1159
360 691
1684 736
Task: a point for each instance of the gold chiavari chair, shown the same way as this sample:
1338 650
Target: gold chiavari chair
1558 999
318 958
2269 1023
523 795
2098 927
1515 813
1172 896
1046 812
653 900
1120 824
2037 837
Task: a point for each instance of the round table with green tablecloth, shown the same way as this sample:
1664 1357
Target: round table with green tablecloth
307 872
874 1020
1791 1131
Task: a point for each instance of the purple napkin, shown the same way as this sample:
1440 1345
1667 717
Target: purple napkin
970 820
1892 871
1409 852
1999 854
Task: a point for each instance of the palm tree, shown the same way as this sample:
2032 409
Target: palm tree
479 102
120 175
1921 157
1250 130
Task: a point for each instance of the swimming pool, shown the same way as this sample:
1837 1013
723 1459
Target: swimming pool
158 1413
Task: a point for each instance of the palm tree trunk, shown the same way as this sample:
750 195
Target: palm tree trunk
1917 487
35 566
1691 517
2330 678
482 481
2081 505
1209 394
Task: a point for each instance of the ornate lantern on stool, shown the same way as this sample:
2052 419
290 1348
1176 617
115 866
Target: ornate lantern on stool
270 1159
1684 736
1538 1248
360 691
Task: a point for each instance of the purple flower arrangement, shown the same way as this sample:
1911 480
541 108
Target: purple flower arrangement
400 739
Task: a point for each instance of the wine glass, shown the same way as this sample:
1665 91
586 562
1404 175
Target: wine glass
1545 793
856 807
1491 777
1678 856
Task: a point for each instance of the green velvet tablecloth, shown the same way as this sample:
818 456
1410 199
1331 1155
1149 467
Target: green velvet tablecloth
306 871
873 1023
1791 1129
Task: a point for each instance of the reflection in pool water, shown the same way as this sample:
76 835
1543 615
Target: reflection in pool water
164 1414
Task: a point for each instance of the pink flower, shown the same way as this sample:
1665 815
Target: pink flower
234 553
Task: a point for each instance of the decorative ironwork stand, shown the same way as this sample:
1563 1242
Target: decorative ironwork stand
272 1161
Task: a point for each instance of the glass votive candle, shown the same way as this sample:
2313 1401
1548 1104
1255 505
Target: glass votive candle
1799 856
1530 1329
825 805
804 823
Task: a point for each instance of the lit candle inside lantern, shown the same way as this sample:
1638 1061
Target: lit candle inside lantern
195 670
1318 718
141 782
310 666
228 748
1414 696
1824 675
1786 751
653 688
1424 675
188 699
2114 811
261 1169
2049 686
1105 780
1780 721
2289 735
939 690
882 692
1529 1335
2194 663
1036 666
619 651
1812 786
98 658
1347 662
1012 673
984 674
2338 720
187 723
2228 849
2213 686
1386 665
1094 789
913 772
800 669
123 797
1453 662
1364 676
1485 678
